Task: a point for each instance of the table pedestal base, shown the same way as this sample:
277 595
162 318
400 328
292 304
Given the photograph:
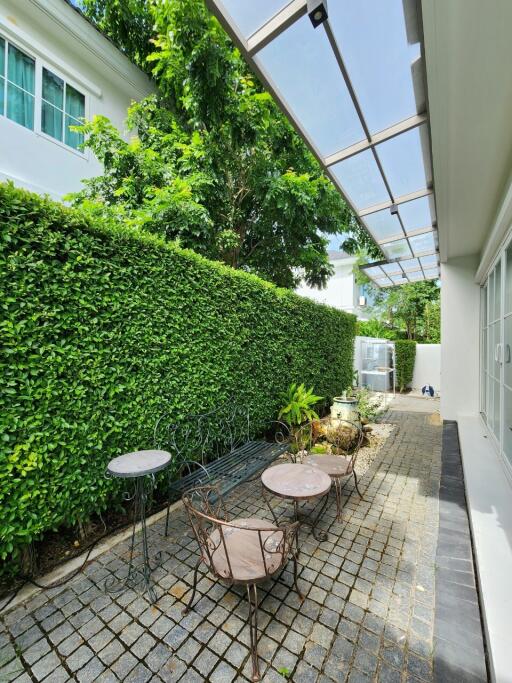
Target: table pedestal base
303 521
139 572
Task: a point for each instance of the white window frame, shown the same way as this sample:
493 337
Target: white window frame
41 63
5 76
498 442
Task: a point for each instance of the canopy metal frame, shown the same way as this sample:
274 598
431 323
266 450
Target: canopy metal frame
250 47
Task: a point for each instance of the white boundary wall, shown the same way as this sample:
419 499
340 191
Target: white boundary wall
427 367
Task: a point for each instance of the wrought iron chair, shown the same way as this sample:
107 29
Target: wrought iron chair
344 438
239 552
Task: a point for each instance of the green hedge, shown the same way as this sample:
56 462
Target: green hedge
405 355
105 329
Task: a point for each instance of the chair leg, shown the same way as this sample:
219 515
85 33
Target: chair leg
295 576
337 490
189 606
253 630
167 517
357 487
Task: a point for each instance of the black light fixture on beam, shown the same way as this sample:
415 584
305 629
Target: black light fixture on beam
317 11
393 209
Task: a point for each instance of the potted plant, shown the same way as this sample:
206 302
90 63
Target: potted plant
344 407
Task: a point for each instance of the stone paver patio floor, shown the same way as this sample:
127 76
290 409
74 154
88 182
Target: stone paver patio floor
368 613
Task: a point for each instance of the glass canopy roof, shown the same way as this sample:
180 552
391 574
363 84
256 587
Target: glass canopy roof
354 88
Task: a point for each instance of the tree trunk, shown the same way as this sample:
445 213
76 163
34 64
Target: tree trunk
28 560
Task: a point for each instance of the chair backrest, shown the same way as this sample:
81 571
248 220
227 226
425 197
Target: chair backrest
342 437
268 546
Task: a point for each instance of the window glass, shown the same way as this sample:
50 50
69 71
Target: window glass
410 264
507 354
51 108
508 281
2 74
75 110
406 161
507 427
302 66
51 120
361 180
398 249
383 225
21 70
422 243
417 214
250 15
53 89
380 43
497 292
20 87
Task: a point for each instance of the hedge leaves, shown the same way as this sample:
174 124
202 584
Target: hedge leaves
104 329
405 355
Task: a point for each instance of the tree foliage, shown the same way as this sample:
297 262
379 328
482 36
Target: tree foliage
128 23
214 163
410 311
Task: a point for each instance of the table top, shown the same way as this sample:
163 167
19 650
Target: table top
139 463
298 482
333 465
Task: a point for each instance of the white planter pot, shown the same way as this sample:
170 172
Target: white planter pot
344 409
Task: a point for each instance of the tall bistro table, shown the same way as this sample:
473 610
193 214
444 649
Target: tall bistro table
297 483
141 467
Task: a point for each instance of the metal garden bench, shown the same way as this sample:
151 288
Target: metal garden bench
216 449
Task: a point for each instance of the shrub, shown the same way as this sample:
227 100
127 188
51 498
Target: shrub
405 355
298 405
106 329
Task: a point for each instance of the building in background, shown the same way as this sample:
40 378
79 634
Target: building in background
55 68
342 290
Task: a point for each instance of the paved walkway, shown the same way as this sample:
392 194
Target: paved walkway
368 614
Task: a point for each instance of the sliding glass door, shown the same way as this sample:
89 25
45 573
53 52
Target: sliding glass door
496 345
507 360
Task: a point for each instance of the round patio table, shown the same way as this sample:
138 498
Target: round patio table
141 467
337 467
297 483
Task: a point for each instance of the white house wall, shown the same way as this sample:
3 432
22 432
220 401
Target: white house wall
427 367
30 158
341 291
460 320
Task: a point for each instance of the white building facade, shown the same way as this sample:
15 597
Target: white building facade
342 290
56 68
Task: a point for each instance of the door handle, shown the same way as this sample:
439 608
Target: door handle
507 354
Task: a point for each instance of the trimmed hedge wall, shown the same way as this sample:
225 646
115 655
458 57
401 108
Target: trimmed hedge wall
104 330
405 356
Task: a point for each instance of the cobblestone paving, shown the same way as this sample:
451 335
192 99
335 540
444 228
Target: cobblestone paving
368 613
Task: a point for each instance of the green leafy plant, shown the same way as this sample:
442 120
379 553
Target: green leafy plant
284 672
298 405
368 405
405 356
105 329
214 162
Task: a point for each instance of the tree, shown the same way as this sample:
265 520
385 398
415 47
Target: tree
405 306
128 23
214 164
432 322
411 311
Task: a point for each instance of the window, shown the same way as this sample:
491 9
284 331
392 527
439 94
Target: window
61 104
61 107
17 85
496 354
